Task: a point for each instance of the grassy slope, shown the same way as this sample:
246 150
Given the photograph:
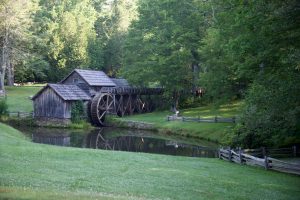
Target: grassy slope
18 98
36 171
219 132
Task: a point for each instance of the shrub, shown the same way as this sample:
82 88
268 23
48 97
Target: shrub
3 107
77 111
271 114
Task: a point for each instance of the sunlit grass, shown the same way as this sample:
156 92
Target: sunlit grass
217 132
19 98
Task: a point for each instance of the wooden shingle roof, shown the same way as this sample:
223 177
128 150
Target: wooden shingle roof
120 82
94 78
66 92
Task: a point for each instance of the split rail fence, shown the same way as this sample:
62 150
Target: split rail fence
20 114
199 119
261 157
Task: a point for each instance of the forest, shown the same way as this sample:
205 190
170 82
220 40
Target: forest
232 49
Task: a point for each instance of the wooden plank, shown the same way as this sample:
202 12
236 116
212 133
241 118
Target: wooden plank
253 158
223 151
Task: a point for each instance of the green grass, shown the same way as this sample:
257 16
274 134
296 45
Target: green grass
18 98
217 132
37 171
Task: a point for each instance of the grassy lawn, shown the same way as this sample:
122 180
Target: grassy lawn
37 171
18 98
218 132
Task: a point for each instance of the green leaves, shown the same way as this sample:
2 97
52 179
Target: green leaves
162 45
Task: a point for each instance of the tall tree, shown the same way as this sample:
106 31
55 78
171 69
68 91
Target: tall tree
68 28
252 48
111 28
162 45
15 35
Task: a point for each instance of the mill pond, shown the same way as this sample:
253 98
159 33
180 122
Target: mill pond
122 140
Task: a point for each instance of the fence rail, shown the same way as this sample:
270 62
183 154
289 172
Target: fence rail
241 157
199 119
272 152
20 114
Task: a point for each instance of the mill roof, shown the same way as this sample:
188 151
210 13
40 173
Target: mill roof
120 82
93 78
66 92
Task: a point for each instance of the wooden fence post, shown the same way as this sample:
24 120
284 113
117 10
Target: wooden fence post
18 114
229 154
294 151
216 119
263 151
233 119
198 118
266 163
240 155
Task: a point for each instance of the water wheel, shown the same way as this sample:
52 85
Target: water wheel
101 104
102 143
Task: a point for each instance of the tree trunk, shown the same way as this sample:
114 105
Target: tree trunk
4 61
175 101
10 73
195 67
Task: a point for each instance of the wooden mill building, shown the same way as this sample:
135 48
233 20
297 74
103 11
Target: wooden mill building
53 103
100 94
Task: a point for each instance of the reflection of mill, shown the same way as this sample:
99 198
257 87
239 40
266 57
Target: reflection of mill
101 140
125 143
54 140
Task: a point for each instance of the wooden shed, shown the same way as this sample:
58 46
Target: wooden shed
53 102
88 80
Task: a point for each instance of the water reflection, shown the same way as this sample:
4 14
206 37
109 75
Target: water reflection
124 140
146 143
54 140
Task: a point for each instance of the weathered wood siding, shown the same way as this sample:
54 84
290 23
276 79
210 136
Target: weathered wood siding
49 104
74 79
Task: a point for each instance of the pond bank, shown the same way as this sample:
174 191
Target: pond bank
218 133
213 132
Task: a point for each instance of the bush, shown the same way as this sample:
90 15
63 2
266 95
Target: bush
271 114
3 107
77 111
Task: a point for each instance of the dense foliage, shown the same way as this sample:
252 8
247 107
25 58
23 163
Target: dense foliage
252 48
77 111
3 107
233 49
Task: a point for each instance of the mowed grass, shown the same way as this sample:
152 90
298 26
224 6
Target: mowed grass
217 132
18 98
37 171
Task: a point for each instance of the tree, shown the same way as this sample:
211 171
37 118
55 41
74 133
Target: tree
111 28
15 35
162 45
67 28
251 48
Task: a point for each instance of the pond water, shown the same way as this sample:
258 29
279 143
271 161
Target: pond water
122 140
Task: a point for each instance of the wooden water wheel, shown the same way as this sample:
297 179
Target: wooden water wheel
101 104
